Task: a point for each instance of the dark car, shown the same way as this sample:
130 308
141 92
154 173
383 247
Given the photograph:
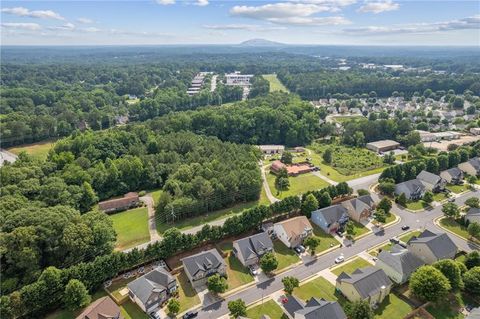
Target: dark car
154 315
190 314
405 227
394 240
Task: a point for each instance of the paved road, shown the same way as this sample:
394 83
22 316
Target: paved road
303 271
363 182
213 85
6 156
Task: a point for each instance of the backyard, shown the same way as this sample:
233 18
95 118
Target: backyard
351 266
269 308
449 308
238 275
285 256
298 185
186 294
131 227
37 150
275 84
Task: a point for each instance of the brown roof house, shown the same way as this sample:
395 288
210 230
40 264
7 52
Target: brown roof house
360 208
128 201
103 308
293 231
200 266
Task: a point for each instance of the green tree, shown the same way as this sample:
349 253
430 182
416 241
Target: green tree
217 284
450 210
428 197
472 281
452 271
237 308
359 310
309 204
287 158
327 155
362 192
386 187
268 262
76 295
402 200
472 259
312 242
429 284
350 229
473 202
380 215
173 306
289 284
324 200
385 204
474 229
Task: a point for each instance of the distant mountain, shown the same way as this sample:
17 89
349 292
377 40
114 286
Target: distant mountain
260 43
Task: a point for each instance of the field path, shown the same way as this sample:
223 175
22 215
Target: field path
270 196
152 225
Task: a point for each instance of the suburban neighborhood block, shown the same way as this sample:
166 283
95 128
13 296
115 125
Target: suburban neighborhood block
249 250
200 266
293 231
431 247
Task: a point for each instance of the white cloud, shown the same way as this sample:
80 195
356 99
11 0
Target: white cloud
247 27
66 27
379 6
21 26
91 30
202 3
165 2
24 12
85 20
460 24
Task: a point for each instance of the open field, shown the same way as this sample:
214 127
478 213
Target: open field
275 84
298 185
351 265
269 308
285 255
131 227
38 150
237 274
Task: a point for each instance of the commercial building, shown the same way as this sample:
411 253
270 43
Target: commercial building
128 201
271 149
238 79
383 146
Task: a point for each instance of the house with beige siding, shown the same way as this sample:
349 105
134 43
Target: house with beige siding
431 247
398 263
293 231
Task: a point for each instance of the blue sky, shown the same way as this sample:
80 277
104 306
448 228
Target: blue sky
365 22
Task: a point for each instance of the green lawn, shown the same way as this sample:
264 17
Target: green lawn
206 218
438 197
449 308
319 288
285 255
155 195
132 311
37 150
238 275
392 307
351 266
457 188
326 240
359 229
263 197
390 218
344 118
131 227
68 314
269 308
417 205
275 84
118 285
298 185
186 294
388 246
458 229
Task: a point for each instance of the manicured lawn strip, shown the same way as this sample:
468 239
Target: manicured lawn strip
359 228
298 185
275 84
458 188
238 275
285 255
269 308
351 266
38 150
392 307
131 227
326 240
186 294
390 218
458 229
206 218
263 197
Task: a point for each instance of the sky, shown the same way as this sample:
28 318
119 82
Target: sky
156 22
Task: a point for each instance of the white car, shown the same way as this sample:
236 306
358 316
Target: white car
339 259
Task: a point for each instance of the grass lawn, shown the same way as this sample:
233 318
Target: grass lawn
359 228
38 150
390 218
388 246
186 294
417 205
458 229
269 308
155 195
344 118
206 218
326 240
285 255
275 84
438 197
449 309
318 288
238 275
458 188
351 266
132 311
298 185
392 307
263 197
131 227
68 314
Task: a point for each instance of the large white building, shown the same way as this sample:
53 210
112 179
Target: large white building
238 79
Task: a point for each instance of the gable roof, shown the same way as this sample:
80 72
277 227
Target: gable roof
116 203
473 212
249 247
322 309
475 162
401 260
428 177
332 214
295 226
103 308
454 172
440 244
203 262
154 281
359 204
413 185
367 281
292 305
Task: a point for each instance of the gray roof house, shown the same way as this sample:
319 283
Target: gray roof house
360 208
473 215
330 218
398 263
432 182
151 290
249 250
431 247
471 167
200 266
314 309
453 175
413 189
369 283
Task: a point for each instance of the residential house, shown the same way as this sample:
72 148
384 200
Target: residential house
360 208
313 309
473 215
453 175
128 201
331 218
431 247
153 289
249 250
369 283
200 266
413 189
293 231
103 308
398 263
471 167
432 182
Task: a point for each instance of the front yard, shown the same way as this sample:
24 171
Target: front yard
131 227
457 189
359 229
453 226
298 185
269 308
351 266
326 241
417 205
238 275
285 255
387 247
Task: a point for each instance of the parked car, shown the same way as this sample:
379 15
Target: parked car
339 259
339 233
405 227
394 240
451 200
154 315
299 249
253 270
190 314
